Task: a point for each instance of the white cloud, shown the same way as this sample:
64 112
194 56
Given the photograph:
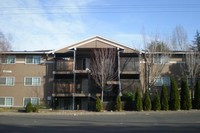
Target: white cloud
36 28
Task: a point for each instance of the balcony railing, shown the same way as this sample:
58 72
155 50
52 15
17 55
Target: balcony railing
68 88
67 65
63 65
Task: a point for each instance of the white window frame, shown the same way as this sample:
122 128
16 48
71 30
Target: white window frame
162 59
5 105
31 98
162 80
33 59
32 83
7 84
6 58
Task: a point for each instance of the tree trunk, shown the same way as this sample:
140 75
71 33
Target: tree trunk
102 96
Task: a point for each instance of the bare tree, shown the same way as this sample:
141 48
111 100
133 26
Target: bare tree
103 68
190 67
4 42
4 46
192 63
179 38
180 43
156 55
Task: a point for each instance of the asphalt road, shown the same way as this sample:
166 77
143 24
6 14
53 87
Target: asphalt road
137 122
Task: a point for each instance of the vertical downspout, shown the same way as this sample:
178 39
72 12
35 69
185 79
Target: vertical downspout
120 88
74 80
54 82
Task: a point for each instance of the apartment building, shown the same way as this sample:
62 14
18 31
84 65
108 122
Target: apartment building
74 87
23 78
176 64
62 78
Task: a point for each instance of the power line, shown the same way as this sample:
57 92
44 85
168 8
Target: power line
111 6
160 11
161 8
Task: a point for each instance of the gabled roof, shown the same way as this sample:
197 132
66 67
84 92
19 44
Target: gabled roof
97 42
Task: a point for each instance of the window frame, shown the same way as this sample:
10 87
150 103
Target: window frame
6 84
160 59
31 99
33 57
32 83
5 105
163 82
6 59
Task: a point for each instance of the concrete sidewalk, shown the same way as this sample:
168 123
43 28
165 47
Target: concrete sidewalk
80 112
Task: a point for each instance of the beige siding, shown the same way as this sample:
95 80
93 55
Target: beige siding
20 71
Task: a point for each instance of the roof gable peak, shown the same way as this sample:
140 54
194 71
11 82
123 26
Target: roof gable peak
96 38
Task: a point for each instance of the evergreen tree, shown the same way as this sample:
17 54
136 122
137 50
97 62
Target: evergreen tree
185 96
99 105
196 102
118 103
156 102
147 101
164 98
174 96
138 100
128 98
196 41
29 107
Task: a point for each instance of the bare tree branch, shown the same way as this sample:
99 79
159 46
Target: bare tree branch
179 38
4 46
156 56
103 67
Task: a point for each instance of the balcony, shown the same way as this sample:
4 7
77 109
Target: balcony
65 88
65 66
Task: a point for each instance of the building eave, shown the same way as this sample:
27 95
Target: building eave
27 52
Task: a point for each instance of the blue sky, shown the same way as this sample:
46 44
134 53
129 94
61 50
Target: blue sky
53 24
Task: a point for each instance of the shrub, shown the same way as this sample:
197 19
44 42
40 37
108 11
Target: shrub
185 96
118 103
164 98
156 102
99 105
128 97
36 108
146 101
138 100
174 102
196 103
29 108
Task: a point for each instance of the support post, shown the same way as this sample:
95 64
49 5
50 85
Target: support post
119 71
74 80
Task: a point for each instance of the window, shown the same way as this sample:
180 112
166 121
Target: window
32 81
6 101
160 59
162 81
7 81
8 60
129 64
32 100
33 59
189 81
